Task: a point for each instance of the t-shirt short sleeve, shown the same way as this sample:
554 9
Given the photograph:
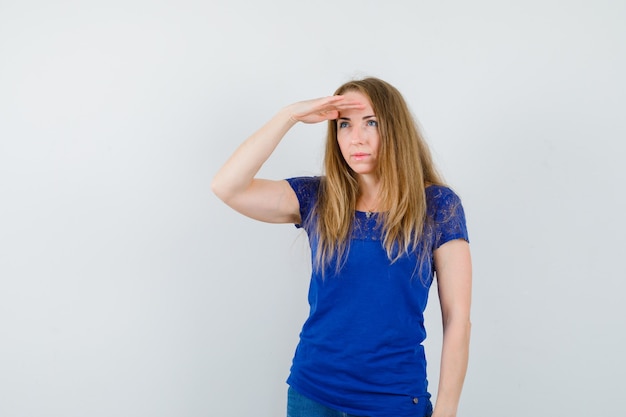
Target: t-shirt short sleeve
446 211
306 189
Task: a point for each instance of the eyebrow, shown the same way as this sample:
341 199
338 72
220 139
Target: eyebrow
364 117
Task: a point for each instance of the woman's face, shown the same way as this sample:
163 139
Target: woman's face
357 135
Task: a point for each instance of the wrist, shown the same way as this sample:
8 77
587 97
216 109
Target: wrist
287 115
441 413
445 407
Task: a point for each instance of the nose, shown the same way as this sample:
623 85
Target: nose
356 136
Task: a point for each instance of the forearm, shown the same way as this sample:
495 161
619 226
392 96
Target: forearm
238 172
454 359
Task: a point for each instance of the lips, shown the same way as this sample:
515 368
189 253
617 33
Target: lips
360 155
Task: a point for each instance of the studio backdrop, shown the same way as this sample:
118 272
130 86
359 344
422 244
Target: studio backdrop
128 289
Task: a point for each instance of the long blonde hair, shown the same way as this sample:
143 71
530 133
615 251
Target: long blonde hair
405 167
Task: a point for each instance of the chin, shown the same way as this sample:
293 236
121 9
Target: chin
364 171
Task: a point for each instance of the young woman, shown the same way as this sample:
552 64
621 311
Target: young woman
381 226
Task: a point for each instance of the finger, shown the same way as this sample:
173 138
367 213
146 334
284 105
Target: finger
332 102
329 100
341 103
354 104
332 114
345 103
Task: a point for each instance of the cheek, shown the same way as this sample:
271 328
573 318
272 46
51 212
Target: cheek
372 140
342 144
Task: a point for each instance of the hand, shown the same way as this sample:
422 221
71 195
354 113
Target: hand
321 109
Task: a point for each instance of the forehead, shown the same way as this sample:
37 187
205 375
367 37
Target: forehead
358 96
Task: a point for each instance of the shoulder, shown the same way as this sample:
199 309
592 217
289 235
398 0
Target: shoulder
310 180
446 212
305 186
438 190
307 192
438 196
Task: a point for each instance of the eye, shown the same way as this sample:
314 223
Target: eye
342 125
372 123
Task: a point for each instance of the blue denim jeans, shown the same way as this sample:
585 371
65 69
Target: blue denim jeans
300 406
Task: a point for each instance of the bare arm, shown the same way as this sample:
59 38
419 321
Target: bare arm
266 200
454 277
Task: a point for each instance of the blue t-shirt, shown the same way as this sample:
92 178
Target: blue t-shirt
360 349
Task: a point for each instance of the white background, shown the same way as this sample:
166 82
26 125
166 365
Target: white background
128 289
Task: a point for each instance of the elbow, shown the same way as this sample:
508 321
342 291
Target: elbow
219 189
461 326
215 187
225 190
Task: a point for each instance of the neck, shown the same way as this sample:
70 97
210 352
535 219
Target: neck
369 198
369 185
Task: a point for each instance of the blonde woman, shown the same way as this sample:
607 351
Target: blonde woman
381 225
